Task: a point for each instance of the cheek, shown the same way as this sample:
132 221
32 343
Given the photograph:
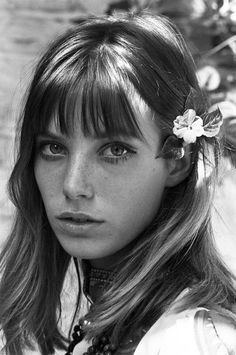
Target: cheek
147 195
47 182
137 198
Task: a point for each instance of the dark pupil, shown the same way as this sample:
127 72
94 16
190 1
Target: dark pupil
55 148
117 150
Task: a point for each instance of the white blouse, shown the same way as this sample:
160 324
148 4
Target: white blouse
191 332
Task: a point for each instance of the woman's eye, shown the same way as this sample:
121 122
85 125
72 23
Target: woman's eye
51 150
116 152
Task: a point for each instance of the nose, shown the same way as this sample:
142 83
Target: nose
77 180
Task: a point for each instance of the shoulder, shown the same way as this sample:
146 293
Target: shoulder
225 330
196 332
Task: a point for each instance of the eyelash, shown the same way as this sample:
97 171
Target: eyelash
42 145
116 159
111 160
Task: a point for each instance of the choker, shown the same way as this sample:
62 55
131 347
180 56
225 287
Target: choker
96 281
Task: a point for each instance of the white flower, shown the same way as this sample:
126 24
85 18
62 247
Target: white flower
189 126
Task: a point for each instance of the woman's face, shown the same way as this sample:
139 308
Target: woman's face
100 193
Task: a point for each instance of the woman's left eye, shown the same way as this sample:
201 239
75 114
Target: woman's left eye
116 152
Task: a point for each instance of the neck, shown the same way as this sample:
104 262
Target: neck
114 261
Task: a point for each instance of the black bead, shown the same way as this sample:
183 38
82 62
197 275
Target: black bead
67 353
77 336
77 328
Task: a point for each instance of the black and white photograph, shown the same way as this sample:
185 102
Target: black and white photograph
118 177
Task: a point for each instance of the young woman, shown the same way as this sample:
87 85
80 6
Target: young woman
116 170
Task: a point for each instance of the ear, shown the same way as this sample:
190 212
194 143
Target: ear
178 168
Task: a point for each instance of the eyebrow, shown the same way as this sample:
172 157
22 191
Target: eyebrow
50 135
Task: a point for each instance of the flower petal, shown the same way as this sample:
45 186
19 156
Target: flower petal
180 122
197 127
189 136
189 115
179 132
198 122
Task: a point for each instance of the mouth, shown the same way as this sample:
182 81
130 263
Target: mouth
74 222
78 220
78 217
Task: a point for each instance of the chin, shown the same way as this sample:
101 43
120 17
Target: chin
85 252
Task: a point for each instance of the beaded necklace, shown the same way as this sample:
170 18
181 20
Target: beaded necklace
97 280
100 346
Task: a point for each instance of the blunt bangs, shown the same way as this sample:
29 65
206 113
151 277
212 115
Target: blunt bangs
101 100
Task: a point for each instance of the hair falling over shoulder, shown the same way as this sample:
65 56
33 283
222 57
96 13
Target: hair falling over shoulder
90 73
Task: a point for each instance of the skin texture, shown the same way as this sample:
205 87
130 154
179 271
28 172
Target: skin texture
120 184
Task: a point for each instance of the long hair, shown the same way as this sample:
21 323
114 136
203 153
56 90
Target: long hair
91 74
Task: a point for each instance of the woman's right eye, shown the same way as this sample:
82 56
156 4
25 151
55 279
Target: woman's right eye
51 151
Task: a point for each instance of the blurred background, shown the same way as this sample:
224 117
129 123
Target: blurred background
209 27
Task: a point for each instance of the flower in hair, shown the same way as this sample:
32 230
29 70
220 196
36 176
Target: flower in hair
190 126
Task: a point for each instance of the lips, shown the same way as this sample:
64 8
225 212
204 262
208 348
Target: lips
78 217
77 224
80 221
